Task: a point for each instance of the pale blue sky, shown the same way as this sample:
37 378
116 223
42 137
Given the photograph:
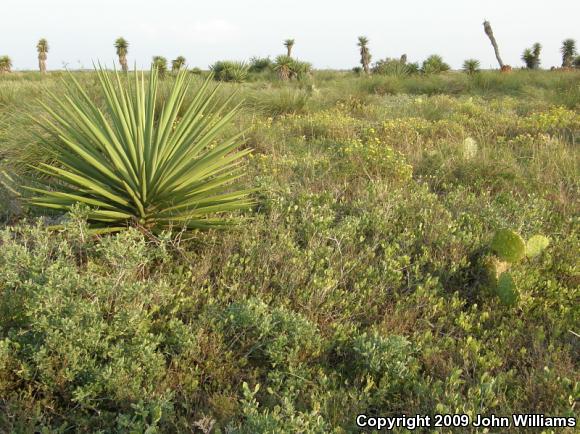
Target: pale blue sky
325 31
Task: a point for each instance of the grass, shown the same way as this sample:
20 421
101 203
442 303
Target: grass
356 285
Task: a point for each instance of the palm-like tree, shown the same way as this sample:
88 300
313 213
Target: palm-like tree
289 44
531 56
122 47
568 51
5 64
42 48
177 63
471 66
283 66
160 64
489 33
365 55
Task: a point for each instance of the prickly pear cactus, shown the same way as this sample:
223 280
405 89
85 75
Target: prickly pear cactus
493 268
508 245
536 245
506 289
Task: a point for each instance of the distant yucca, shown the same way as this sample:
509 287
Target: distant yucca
531 56
122 47
434 64
160 64
289 44
568 52
42 48
365 55
471 66
5 64
177 64
392 67
227 70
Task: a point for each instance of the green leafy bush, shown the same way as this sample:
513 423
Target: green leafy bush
260 64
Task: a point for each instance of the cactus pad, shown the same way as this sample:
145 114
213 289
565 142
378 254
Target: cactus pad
506 289
536 245
508 245
493 268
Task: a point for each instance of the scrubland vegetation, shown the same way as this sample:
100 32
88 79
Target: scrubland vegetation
358 282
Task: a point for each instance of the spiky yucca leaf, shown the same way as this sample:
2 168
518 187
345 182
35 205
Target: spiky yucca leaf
131 165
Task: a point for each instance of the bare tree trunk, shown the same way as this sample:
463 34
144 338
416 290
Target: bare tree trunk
289 48
123 62
284 73
364 59
489 33
42 63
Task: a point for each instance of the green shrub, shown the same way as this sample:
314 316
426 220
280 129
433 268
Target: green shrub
274 336
260 64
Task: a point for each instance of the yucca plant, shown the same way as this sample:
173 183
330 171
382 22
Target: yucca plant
471 66
283 66
434 64
531 56
122 47
5 64
232 71
42 48
134 165
289 44
177 64
391 67
489 32
160 64
300 70
568 51
365 55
